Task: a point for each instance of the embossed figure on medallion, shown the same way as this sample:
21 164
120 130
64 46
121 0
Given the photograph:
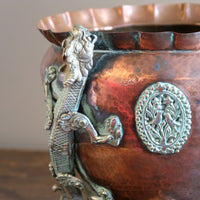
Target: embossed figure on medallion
163 118
63 118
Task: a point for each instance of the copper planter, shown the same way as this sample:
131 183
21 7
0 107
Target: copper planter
139 46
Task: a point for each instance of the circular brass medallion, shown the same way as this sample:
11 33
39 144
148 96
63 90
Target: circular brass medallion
163 118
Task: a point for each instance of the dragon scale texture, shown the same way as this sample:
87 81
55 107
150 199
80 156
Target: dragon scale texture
62 142
63 118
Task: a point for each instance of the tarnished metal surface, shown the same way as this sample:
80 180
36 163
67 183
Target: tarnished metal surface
163 118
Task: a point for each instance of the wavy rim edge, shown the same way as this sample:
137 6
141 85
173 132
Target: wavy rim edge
103 19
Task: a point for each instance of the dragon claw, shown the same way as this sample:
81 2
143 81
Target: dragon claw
69 180
104 139
114 127
102 195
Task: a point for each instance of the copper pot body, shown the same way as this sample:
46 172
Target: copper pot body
114 85
130 170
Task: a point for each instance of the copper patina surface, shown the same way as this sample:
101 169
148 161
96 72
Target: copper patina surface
138 46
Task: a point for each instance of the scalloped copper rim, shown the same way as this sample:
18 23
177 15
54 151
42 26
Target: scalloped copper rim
133 22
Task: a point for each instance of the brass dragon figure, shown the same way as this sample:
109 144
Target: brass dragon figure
63 118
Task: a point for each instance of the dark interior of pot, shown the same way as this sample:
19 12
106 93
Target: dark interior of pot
186 28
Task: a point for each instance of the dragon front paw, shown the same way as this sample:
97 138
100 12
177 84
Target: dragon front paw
112 128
